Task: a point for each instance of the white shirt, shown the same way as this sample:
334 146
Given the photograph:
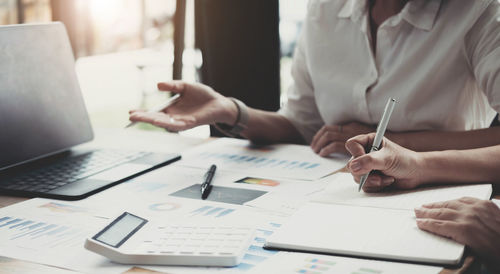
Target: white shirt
439 59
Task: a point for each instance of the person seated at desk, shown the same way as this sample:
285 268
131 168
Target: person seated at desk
438 59
469 221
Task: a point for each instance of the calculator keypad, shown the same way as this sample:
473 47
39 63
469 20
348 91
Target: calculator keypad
198 241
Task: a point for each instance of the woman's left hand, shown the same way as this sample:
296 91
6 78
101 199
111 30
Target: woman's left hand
331 139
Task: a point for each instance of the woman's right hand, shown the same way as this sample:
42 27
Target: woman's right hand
397 166
198 105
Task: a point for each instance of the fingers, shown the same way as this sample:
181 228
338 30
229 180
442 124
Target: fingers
326 136
440 227
357 145
171 123
469 200
378 160
377 182
333 147
453 204
172 86
460 220
134 110
438 214
322 131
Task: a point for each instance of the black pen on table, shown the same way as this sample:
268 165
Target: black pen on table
205 186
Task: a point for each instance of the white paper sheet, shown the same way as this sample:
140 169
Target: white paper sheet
290 196
364 231
343 190
52 232
496 201
287 262
279 161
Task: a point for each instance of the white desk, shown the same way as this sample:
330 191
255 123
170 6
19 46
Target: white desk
107 138
140 140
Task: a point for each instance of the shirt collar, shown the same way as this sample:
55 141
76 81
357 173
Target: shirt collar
420 13
353 9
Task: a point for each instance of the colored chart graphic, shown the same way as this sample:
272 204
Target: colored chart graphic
321 266
210 211
237 196
39 233
278 161
164 206
256 253
315 266
258 181
63 208
250 161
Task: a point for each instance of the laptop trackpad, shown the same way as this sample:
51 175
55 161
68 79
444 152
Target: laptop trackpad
82 188
119 172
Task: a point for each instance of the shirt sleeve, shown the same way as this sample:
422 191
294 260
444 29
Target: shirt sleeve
300 108
482 44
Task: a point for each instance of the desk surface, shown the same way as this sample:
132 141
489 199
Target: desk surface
142 140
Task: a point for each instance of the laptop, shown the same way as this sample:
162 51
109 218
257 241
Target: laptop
43 117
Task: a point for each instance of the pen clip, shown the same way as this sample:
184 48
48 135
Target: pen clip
205 192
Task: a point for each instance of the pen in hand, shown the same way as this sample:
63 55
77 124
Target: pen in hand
205 186
161 107
382 126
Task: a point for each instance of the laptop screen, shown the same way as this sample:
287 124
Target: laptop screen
41 107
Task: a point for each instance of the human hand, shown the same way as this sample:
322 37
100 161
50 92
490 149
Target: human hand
397 166
198 105
469 221
331 139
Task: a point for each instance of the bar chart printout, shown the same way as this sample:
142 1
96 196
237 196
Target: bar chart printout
52 233
282 160
33 233
304 263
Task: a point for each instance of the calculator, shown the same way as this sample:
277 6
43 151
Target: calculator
130 239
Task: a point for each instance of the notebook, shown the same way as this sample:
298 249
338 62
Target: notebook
43 117
342 221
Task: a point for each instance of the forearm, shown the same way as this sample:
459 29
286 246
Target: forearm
262 126
445 140
460 166
270 127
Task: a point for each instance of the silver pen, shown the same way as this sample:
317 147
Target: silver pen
161 107
382 126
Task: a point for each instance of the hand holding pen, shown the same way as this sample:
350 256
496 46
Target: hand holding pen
382 126
397 167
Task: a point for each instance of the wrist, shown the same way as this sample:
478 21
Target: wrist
420 168
230 112
428 167
234 127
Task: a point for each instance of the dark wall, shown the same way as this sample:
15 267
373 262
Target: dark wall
239 40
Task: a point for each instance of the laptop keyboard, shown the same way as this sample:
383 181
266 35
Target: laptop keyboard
70 170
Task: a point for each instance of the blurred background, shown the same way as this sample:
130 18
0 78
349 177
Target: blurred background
123 48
